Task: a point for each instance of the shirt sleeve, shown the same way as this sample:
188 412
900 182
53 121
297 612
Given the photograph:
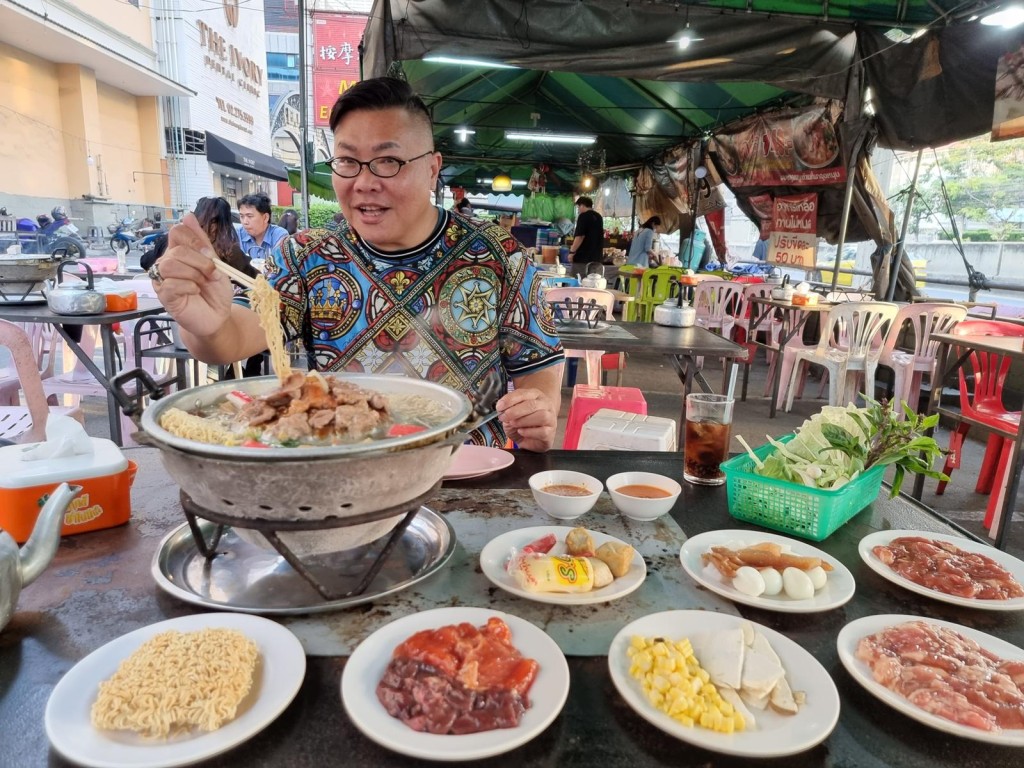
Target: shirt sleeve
283 274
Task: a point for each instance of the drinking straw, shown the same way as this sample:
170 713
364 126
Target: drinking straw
731 386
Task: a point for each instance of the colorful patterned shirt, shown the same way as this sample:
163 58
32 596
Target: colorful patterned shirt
464 302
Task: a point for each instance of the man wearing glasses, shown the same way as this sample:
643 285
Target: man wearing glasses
401 286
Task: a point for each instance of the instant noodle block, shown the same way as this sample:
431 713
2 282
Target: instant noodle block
105 475
810 513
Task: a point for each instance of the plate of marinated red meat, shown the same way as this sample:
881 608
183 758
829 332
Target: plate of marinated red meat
952 569
950 677
455 684
722 561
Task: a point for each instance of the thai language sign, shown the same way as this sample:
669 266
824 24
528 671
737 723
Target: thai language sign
785 148
794 238
336 38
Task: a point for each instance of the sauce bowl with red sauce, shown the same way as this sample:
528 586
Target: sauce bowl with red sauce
563 494
643 496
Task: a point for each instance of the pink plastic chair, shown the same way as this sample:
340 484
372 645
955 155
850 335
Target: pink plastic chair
26 424
910 367
982 400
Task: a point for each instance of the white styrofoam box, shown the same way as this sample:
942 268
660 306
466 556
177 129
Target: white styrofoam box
611 430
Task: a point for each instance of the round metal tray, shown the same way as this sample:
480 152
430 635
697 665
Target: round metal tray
247 578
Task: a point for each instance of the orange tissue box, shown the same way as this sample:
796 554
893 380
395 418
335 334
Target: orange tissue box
105 499
124 301
804 299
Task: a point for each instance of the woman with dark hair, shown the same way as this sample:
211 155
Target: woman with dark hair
641 250
290 221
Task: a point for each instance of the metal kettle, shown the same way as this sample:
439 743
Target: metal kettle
674 312
75 298
19 568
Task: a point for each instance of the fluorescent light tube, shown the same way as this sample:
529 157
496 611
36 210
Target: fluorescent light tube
554 138
1008 17
467 62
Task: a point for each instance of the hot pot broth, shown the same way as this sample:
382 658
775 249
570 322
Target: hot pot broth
307 409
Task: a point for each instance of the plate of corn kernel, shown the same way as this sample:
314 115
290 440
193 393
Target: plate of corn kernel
723 683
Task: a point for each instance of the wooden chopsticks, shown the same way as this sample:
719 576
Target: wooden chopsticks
238 276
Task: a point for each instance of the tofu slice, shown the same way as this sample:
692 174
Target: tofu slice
731 696
755 700
782 699
762 669
721 655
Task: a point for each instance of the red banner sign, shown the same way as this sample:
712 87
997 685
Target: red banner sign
785 148
336 38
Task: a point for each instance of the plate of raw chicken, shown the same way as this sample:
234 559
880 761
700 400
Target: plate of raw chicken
952 569
715 559
957 692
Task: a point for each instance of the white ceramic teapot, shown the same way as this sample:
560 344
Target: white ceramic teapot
19 568
594 281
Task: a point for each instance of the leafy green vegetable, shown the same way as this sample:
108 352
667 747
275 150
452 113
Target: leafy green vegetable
836 445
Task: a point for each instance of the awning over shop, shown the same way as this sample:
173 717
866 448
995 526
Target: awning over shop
224 152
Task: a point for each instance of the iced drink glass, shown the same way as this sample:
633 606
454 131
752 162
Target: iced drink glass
706 446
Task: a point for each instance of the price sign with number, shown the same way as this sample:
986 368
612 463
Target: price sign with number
793 249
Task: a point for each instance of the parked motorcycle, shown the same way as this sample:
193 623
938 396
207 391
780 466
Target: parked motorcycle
47 234
122 236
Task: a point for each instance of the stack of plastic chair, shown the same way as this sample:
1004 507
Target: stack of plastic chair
982 401
910 367
850 343
586 401
26 424
603 299
655 286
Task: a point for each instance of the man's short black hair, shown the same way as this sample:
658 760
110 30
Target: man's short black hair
258 201
584 200
380 93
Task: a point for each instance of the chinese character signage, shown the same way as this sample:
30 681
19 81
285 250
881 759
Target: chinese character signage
336 38
794 237
786 148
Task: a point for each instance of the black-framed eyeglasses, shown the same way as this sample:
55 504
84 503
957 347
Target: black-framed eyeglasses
385 167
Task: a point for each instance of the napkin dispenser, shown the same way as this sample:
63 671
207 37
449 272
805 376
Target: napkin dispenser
612 430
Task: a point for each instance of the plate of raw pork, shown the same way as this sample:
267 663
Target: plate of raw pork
969 683
952 569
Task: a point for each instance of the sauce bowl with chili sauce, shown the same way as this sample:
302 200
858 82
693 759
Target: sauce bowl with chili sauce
563 494
643 496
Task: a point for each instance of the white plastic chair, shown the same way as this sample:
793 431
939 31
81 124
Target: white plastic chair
850 343
716 301
910 367
27 424
606 301
39 335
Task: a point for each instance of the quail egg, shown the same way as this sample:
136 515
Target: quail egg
818 577
797 584
772 581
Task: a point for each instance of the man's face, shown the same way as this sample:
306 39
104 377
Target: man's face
393 213
253 222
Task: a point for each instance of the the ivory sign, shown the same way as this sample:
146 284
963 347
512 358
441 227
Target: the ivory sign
794 238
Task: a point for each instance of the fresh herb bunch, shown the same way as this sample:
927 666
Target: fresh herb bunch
836 445
890 441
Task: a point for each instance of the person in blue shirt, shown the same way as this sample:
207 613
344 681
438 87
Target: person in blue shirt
257 231
641 250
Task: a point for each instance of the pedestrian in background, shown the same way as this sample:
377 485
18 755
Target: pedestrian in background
641 250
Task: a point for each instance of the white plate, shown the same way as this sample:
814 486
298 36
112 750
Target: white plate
366 666
852 634
279 674
1009 562
837 590
775 735
495 554
477 461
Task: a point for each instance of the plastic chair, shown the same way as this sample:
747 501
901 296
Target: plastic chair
717 303
628 281
560 282
40 335
909 367
606 301
655 285
27 424
850 342
982 400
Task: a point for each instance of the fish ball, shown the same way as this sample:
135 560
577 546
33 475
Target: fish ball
818 577
772 581
748 581
797 584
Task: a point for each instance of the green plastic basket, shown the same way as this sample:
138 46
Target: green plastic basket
809 513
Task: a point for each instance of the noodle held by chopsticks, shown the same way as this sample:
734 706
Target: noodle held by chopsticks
266 303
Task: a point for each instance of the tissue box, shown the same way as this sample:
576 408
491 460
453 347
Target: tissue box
805 299
122 301
105 500
611 430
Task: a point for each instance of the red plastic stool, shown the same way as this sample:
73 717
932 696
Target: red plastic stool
586 401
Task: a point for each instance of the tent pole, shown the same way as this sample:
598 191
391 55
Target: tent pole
843 222
894 268
303 118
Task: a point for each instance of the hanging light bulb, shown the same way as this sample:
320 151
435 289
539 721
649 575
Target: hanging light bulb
502 182
587 181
